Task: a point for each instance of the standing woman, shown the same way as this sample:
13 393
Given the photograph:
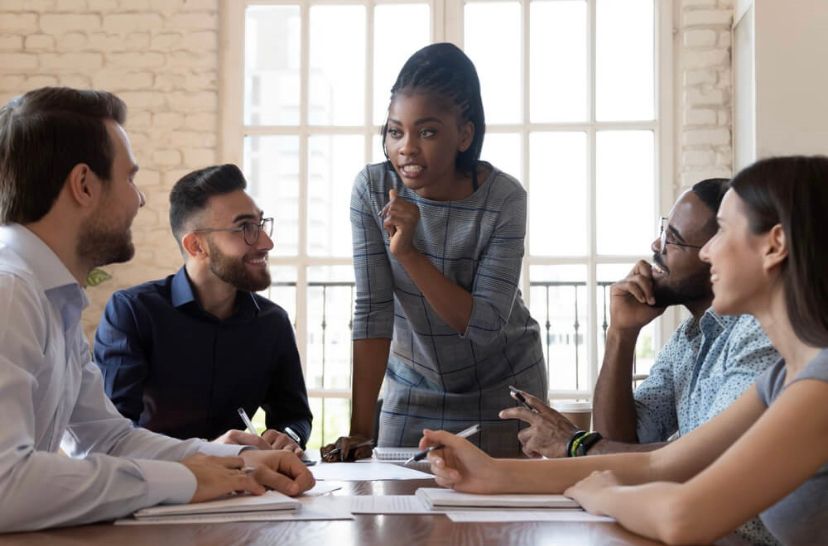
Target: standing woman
438 242
767 453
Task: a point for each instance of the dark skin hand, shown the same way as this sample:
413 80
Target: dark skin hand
344 449
548 431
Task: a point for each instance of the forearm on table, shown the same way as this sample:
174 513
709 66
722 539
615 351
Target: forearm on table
370 362
613 407
607 447
451 302
555 475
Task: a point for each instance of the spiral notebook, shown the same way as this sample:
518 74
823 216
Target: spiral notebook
394 453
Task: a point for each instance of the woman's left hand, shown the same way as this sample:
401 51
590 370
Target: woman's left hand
588 491
400 218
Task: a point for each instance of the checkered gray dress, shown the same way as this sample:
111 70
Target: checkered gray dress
435 377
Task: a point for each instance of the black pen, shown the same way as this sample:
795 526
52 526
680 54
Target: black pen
420 455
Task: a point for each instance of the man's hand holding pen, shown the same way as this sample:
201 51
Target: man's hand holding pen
347 449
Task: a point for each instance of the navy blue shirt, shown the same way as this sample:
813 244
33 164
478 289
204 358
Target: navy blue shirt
173 368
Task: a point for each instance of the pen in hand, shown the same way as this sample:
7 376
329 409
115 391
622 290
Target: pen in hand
247 422
420 455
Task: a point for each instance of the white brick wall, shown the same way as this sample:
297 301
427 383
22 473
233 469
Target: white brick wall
704 96
161 57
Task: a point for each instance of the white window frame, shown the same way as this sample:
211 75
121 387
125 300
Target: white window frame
447 25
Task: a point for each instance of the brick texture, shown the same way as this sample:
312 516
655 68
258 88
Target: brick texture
161 57
704 97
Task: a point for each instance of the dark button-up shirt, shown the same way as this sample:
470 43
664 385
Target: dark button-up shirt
173 368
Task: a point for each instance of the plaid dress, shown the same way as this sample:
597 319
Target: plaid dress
437 378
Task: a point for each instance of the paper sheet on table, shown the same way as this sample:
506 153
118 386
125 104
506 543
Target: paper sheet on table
366 471
317 490
317 508
389 504
505 516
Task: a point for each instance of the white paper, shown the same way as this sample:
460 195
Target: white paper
366 471
318 490
389 504
505 516
437 497
314 509
270 501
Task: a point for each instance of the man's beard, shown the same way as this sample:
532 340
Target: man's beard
692 288
99 244
233 271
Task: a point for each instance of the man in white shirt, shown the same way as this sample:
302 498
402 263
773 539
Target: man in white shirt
67 201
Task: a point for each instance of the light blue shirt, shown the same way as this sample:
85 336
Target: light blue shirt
51 396
703 368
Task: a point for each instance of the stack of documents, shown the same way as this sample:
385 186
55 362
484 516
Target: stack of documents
442 499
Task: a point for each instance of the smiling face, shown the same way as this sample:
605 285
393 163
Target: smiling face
231 259
735 258
422 141
679 276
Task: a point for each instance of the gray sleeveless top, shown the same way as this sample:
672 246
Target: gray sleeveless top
802 516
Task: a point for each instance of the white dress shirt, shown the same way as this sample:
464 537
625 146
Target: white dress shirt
51 396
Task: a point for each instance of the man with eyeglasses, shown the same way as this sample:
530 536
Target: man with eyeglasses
707 363
182 354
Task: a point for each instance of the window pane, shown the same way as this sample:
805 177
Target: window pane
557 190
645 347
271 165
503 151
376 150
625 193
330 303
394 43
558 61
496 54
331 419
558 302
337 65
271 65
333 164
625 60
283 289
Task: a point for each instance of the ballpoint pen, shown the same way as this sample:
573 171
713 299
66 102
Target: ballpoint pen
420 455
517 394
247 422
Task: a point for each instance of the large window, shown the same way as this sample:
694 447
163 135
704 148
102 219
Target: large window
576 109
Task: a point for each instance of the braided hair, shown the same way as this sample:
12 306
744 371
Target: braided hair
444 71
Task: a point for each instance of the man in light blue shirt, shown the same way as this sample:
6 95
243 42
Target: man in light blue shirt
67 201
709 361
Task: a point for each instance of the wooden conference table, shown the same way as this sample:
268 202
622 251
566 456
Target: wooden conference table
380 530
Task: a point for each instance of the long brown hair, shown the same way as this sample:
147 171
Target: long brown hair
793 192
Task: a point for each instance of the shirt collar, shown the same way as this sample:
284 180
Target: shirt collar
182 294
47 268
58 284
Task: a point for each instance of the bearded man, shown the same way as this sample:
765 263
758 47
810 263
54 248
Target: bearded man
181 354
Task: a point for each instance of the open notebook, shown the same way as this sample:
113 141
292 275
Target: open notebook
270 501
442 499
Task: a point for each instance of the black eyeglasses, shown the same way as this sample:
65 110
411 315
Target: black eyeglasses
663 235
249 230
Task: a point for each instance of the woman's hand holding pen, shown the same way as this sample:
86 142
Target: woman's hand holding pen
400 218
460 465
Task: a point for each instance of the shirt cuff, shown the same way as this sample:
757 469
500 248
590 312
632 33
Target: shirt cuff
167 482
